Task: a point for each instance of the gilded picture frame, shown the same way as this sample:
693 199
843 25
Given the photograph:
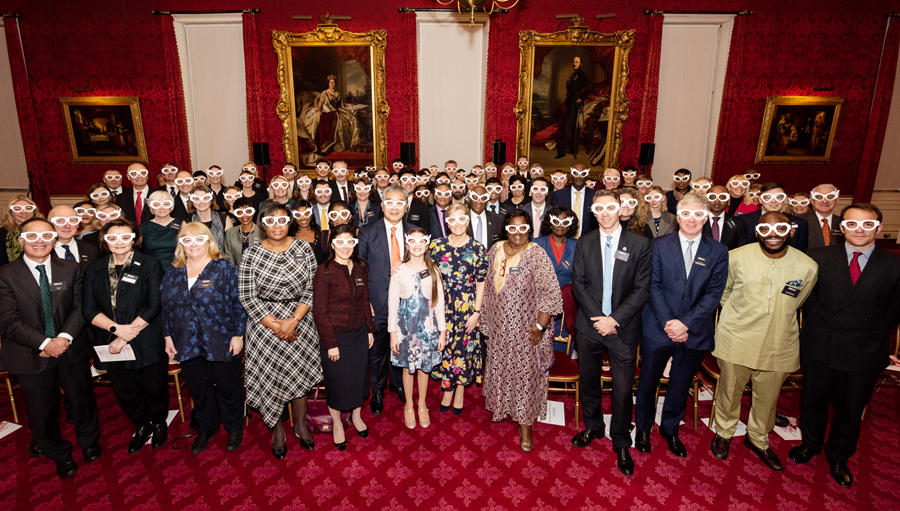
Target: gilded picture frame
322 118
552 124
798 129
104 129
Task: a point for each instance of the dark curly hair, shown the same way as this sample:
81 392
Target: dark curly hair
269 210
546 227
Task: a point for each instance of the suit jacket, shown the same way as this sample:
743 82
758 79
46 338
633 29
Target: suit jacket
418 214
317 215
494 229
179 211
800 239
848 326
434 224
375 248
22 315
336 193
126 201
692 300
501 207
667 224
733 232
87 253
631 283
564 198
563 269
233 248
816 240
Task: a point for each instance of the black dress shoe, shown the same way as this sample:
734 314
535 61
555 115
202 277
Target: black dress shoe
719 447
92 452
141 436
281 452
307 443
624 461
160 434
801 454
457 411
234 440
841 473
642 441
445 409
377 402
585 438
33 448
399 391
200 443
341 446
363 434
66 468
675 446
767 456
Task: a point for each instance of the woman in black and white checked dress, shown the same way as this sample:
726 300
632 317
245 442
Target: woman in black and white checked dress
282 343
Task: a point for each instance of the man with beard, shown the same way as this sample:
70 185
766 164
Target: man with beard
758 336
458 187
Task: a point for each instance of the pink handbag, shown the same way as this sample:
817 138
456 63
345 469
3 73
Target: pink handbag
318 418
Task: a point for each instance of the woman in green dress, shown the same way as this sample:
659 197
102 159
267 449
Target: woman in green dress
161 232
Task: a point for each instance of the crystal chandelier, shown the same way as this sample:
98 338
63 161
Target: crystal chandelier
471 6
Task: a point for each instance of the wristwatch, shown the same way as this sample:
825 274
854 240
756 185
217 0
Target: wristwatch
539 327
112 329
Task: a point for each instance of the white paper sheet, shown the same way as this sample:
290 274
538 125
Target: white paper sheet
659 409
8 427
105 356
556 414
711 424
789 434
607 420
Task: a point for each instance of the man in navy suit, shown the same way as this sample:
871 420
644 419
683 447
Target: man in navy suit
771 198
578 193
442 199
689 275
133 201
382 245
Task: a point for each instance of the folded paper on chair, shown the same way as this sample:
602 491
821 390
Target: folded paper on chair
105 356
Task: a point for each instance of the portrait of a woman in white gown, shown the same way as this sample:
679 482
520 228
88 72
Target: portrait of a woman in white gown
328 124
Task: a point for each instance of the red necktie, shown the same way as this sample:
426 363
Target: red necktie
855 270
138 207
826 232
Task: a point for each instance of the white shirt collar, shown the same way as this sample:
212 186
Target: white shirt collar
61 252
398 233
144 191
32 265
684 240
829 217
720 217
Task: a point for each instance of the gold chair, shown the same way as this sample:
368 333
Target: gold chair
565 372
694 392
175 373
12 397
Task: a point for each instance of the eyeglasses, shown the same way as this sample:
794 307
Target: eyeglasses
60 221
558 179
612 208
521 163
655 196
474 197
215 173
244 212
739 184
280 185
423 194
508 170
773 197
780 229
233 196
478 172
422 180
829 196
611 179
490 169
345 242
629 173
323 192
32 237
701 188
187 181
304 181
198 199
300 215
243 179
443 181
113 178
362 188
341 172
799 202
752 176
494 188
137 173
518 229
686 214
124 237
580 173
108 216
754 195
867 225
457 188
471 180
381 177
166 204
537 172
343 215
22 209
371 169
517 188
648 184
539 189
418 242
169 170
721 197
99 195
392 179
450 169
322 166
457 220
193 240
398 165
270 221
407 179
249 168
443 195
394 204
629 203
565 222
289 170
86 211
682 179
199 180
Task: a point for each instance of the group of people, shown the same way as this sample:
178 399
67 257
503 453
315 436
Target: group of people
389 280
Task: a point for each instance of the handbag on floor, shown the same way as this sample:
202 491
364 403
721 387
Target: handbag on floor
318 418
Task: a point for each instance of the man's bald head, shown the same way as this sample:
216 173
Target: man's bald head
68 230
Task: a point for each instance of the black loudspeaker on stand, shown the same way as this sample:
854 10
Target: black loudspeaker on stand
408 154
261 158
499 153
647 153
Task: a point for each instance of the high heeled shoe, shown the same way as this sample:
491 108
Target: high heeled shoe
410 422
445 409
364 433
457 411
280 453
341 446
424 421
308 443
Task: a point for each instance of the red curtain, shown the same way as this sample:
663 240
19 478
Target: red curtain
647 133
877 126
255 128
27 121
409 85
175 93
729 111
502 92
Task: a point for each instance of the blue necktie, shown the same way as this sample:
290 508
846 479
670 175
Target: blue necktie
69 255
607 277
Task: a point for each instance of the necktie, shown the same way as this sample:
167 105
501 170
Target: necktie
607 277
493 208
69 255
47 300
344 193
443 225
855 270
577 208
826 233
323 214
172 191
478 231
688 259
138 207
715 228
395 247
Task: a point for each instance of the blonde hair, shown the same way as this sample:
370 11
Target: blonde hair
7 220
658 189
195 229
736 177
272 191
755 187
456 206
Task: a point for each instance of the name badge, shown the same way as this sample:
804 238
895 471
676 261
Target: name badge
424 274
565 264
299 258
205 283
515 270
700 261
793 225
730 223
790 291
129 278
414 218
58 286
360 282
255 241
622 256
175 225
136 263
84 258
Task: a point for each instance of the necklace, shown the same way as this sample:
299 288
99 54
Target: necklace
246 236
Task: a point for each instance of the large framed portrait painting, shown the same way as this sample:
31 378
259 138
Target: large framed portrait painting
572 99
332 102
104 129
798 129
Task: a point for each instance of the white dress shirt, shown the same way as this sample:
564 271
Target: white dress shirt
473 218
32 265
344 191
829 218
615 243
494 207
536 214
579 214
61 252
399 233
184 199
144 193
721 223
116 191
695 245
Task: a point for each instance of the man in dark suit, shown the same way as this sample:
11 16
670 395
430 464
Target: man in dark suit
721 226
184 181
537 206
133 201
65 222
844 342
169 172
578 194
324 195
682 179
495 188
689 276
438 224
44 340
340 187
417 212
112 178
824 225
576 90
382 245
610 283
771 198
491 225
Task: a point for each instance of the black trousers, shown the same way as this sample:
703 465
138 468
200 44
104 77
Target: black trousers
218 393
569 132
654 356
380 360
851 392
622 358
42 401
143 393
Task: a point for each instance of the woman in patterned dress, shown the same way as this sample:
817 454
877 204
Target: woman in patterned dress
282 343
521 298
463 265
416 321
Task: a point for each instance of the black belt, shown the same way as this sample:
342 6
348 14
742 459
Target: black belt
287 300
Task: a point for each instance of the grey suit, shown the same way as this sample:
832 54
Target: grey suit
816 239
667 224
233 248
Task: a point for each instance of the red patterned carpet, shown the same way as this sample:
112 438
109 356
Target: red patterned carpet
456 464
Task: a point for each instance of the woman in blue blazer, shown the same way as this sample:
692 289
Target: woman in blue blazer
559 227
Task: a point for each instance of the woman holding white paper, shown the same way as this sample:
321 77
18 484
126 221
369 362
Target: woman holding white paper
120 299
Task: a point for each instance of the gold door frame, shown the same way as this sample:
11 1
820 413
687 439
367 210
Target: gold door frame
575 35
328 34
